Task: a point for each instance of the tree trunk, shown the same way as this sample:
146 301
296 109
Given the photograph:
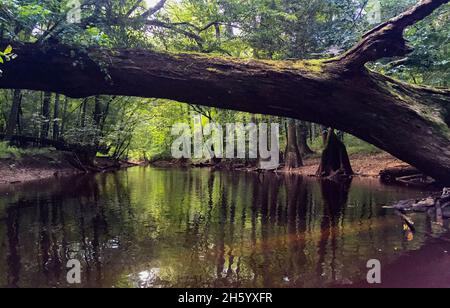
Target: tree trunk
56 118
64 117
13 114
303 133
340 93
83 112
293 159
97 111
335 160
45 128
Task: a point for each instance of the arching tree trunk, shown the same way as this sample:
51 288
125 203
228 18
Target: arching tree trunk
410 122
293 158
335 160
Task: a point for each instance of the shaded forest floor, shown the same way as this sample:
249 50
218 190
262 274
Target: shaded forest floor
40 165
366 165
46 163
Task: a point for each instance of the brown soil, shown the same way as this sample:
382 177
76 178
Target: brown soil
34 168
363 165
44 167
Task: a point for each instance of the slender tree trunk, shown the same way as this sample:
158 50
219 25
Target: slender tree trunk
97 111
293 158
45 128
303 132
64 116
83 112
13 114
56 118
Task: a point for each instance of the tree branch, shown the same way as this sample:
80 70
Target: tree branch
154 9
387 39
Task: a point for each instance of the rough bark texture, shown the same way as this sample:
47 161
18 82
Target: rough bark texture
410 122
293 157
56 118
45 129
13 114
335 160
302 135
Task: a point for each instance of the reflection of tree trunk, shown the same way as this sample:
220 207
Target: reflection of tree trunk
13 259
221 236
293 158
335 197
266 230
293 185
335 158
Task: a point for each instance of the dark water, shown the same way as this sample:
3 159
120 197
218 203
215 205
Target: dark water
150 228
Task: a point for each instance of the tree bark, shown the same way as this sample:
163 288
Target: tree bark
293 158
303 134
45 127
56 118
335 160
338 93
13 114
64 117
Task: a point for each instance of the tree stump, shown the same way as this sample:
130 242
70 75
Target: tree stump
335 160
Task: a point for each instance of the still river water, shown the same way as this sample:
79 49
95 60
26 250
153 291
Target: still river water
147 227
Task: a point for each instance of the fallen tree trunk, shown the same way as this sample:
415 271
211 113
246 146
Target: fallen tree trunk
410 122
391 175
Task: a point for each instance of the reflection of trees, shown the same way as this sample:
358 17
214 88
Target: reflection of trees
71 221
187 229
13 258
297 202
335 197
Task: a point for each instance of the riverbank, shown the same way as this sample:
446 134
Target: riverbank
49 163
364 165
40 165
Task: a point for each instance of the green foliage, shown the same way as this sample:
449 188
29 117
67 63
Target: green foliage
9 152
264 29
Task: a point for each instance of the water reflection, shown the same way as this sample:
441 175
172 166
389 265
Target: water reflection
148 228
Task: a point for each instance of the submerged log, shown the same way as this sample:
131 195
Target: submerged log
391 175
434 206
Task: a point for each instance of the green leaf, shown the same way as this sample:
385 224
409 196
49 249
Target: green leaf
1 60
8 49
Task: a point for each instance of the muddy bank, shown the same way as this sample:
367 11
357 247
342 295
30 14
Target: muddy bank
36 167
52 164
363 165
